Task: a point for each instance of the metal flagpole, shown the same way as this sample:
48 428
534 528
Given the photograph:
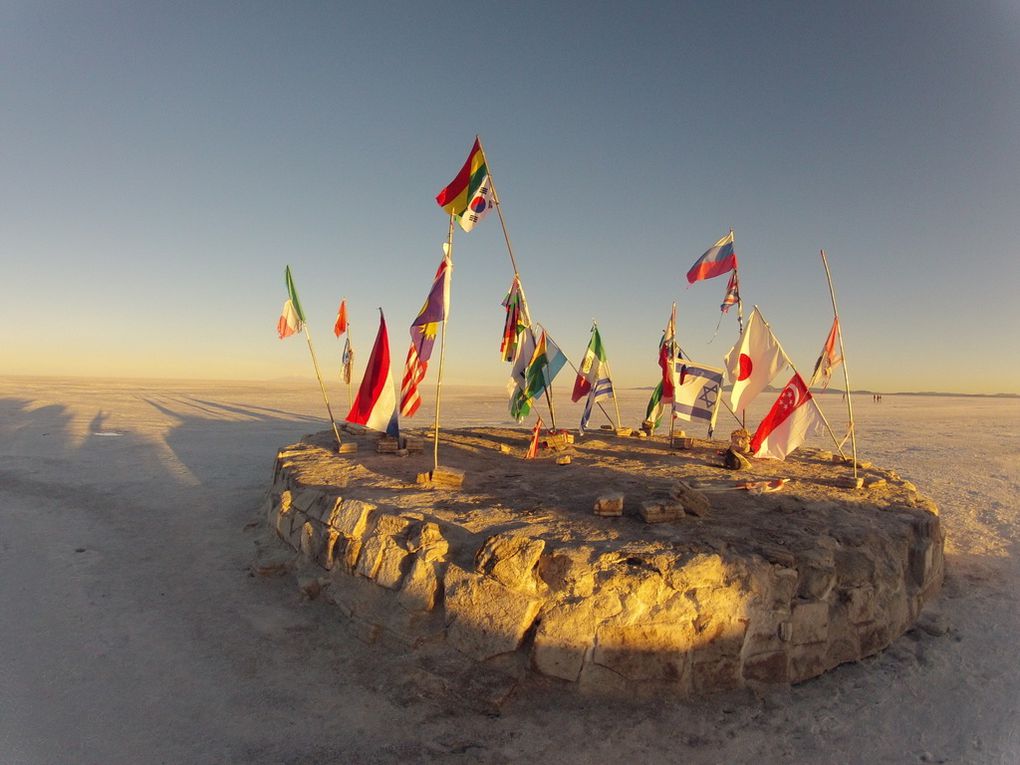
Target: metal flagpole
318 376
846 373
442 353
790 362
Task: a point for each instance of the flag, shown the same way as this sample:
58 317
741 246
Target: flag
424 329
517 320
341 319
414 373
592 378
375 406
468 196
546 362
753 362
482 202
732 296
697 394
667 355
828 360
591 366
533 448
347 361
792 417
296 304
288 323
653 413
717 260
603 388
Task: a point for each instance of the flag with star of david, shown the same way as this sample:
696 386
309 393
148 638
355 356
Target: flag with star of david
697 393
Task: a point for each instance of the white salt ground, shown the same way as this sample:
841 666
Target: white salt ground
131 631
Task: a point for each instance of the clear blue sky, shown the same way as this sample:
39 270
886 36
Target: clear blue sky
163 162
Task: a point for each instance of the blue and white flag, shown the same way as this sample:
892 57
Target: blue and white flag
697 394
603 388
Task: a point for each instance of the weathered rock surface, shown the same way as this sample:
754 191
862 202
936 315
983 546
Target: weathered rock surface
725 590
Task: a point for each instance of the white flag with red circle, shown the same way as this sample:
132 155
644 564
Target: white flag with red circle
753 362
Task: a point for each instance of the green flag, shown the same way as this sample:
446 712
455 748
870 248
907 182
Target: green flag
293 297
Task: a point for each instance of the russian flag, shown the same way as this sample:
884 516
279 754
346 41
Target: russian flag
719 259
375 406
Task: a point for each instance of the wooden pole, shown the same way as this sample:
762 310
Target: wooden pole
790 362
597 403
616 404
846 373
442 354
318 376
499 211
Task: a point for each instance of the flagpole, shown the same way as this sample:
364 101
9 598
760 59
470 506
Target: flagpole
350 376
442 353
594 326
740 302
499 211
846 373
790 362
318 376
597 403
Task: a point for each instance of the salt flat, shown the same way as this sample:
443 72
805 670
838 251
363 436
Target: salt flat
132 632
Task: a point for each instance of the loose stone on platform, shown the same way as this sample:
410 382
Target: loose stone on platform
609 505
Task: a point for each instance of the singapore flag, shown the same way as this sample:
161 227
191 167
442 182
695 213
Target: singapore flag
788 423
753 362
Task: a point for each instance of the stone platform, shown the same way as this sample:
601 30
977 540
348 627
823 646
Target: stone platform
514 571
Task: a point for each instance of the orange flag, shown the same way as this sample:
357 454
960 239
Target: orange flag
341 319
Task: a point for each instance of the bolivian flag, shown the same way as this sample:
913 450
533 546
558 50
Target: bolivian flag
468 196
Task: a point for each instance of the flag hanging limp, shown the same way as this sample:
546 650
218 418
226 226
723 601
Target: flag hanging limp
791 419
593 378
533 446
468 197
424 329
545 363
292 318
732 296
828 360
288 323
347 361
341 319
716 261
375 406
292 292
517 321
667 357
753 362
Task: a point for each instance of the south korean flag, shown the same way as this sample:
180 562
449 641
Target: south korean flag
479 206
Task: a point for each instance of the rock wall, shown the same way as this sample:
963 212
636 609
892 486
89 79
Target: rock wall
691 618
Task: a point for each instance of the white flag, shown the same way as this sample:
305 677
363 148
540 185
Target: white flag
753 362
789 422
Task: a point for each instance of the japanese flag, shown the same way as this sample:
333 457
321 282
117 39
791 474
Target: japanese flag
753 362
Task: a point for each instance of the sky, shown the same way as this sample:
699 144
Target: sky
163 163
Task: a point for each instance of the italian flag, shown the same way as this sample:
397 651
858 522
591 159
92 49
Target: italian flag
292 318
